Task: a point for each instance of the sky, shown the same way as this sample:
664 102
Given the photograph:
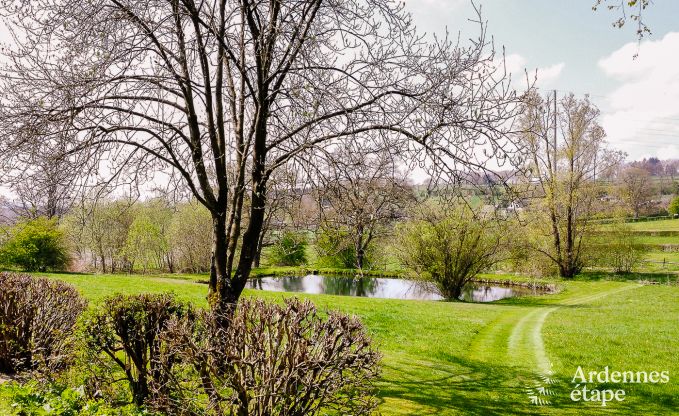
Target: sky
576 49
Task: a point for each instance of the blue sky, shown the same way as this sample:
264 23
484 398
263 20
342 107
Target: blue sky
578 50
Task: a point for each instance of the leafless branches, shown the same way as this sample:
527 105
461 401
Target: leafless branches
270 360
37 322
221 93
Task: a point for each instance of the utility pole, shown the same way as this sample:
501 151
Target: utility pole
554 144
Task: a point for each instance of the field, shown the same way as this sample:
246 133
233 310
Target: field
661 238
489 359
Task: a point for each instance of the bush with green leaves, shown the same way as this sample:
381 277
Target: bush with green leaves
36 399
335 248
123 341
448 247
268 359
37 323
673 208
36 245
289 249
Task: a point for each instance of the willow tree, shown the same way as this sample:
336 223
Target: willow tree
218 94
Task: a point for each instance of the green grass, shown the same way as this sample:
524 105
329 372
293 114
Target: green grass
459 358
657 225
657 240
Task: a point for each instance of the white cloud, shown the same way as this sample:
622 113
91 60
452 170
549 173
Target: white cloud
644 107
547 75
516 65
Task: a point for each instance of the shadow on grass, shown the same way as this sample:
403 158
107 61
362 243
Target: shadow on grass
462 386
595 276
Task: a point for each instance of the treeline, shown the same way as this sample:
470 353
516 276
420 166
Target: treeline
114 236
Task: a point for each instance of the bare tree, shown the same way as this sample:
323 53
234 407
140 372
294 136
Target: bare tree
635 188
221 93
46 188
362 191
567 151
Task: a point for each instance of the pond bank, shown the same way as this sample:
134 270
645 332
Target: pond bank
540 285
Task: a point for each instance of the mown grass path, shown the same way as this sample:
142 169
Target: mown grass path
515 339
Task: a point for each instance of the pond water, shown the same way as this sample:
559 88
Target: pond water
374 287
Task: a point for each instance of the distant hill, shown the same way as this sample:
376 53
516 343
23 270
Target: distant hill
7 214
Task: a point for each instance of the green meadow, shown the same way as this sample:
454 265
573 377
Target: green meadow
516 356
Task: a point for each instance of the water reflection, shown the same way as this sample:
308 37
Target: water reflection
380 288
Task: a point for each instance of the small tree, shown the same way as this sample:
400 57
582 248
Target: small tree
635 189
362 192
673 208
36 245
289 250
620 249
449 247
335 248
566 154
147 245
190 236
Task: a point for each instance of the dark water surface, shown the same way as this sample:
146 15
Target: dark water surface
377 287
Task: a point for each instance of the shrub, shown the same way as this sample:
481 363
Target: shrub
449 248
673 208
619 249
269 359
289 250
34 398
123 335
36 245
37 319
336 249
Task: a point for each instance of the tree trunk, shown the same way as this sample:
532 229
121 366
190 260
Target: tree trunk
360 252
250 242
456 292
360 255
219 279
260 246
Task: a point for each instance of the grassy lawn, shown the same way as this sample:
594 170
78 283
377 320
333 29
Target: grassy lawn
657 240
657 225
481 359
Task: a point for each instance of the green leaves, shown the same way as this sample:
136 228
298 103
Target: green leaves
36 245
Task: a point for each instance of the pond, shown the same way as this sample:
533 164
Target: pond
374 287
